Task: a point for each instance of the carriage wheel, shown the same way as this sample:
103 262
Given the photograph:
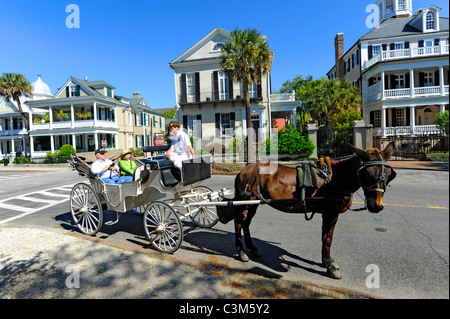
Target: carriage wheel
140 210
86 209
206 216
163 227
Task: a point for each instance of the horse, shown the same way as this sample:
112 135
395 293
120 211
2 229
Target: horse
364 168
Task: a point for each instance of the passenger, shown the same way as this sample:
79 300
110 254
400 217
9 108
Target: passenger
105 168
181 148
127 166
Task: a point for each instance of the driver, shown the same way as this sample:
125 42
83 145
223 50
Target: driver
105 168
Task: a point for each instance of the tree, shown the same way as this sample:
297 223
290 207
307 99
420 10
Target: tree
12 87
442 122
246 57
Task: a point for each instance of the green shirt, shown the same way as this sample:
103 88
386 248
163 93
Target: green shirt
127 167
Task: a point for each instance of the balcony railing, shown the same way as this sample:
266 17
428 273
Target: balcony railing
211 96
406 130
374 92
68 124
407 53
282 97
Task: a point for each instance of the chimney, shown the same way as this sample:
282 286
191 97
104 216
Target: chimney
136 95
86 78
339 52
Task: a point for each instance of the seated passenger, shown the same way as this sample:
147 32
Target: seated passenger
181 148
127 166
105 168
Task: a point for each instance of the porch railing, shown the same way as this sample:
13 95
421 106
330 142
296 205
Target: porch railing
406 130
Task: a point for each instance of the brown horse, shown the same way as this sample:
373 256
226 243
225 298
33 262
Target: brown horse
367 169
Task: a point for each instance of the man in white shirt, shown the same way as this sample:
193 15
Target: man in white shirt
105 168
181 148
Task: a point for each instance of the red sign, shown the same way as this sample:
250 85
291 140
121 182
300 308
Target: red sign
158 141
104 143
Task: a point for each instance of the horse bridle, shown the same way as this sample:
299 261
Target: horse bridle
381 183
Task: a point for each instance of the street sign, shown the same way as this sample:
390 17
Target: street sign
104 143
158 141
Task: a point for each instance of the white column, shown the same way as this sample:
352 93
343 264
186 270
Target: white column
13 149
412 118
72 115
441 79
96 140
50 116
11 124
383 122
442 108
383 85
411 81
95 119
74 141
31 146
52 143
24 145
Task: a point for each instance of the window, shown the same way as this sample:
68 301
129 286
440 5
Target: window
377 118
429 46
253 90
225 124
138 119
190 87
389 6
376 50
74 90
401 4
129 118
399 45
223 86
430 21
400 81
400 117
130 141
428 78
217 47
355 61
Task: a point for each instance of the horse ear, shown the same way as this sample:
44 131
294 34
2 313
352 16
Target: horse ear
388 151
361 153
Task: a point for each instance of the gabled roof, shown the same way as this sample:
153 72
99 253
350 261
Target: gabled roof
86 86
397 27
199 44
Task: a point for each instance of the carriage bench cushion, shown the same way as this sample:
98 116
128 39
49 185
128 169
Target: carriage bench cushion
307 175
159 163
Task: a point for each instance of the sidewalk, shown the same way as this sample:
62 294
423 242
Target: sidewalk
53 263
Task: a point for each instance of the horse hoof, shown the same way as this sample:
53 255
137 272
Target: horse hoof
335 274
243 256
335 265
255 253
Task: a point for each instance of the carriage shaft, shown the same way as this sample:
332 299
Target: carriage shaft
268 201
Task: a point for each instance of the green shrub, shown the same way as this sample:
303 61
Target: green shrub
62 156
22 160
292 142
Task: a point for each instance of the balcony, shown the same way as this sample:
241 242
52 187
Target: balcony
69 125
390 55
407 131
374 92
282 97
215 97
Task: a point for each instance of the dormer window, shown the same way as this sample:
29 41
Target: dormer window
401 4
430 22
217 47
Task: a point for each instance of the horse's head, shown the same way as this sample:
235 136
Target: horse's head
375 174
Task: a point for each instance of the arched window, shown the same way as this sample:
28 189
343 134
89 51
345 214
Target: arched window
430 21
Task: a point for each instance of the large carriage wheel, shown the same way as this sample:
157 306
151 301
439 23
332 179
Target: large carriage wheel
203 216
163 227
86 209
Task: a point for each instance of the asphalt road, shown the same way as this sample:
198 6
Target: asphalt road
402 252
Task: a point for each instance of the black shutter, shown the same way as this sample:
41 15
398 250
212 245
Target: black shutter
232 120
258 90
185 123
197 87
386 82
436 42
436 78
218 133
372 118
384 46
420 43
406 44
407 82
392 85
199 125
421 79
230 88
392 46
67 91
216 85
394 117
78 90
370 52
371 81
183 98
408 116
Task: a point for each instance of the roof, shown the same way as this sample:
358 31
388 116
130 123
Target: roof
397 27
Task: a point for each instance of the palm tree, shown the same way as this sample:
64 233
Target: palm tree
12 87
246 57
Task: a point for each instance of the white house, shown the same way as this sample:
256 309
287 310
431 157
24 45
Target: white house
402 67
210 105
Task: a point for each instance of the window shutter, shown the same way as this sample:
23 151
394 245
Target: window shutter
407 82
230 88
218 133
78 90
392 46
392 84
135 119
436 78
384 46
183 98
185 123
142 118
67 92
258 90
197 87
370 49
408 117
394 117
199 125
421 79
406 44
216 85
421 43
232 120
372 118
436 42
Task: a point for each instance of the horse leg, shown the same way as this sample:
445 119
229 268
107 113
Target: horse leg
254 252
328 225
238 222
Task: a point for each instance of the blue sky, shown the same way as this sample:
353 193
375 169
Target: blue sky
130 43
